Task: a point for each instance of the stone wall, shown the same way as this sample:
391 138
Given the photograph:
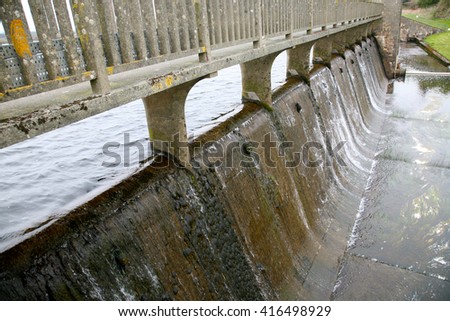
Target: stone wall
411 29
388 35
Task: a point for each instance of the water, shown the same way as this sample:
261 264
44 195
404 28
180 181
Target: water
401 239
47 176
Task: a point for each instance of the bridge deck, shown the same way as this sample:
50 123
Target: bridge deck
60 107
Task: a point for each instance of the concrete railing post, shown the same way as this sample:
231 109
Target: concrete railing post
45 36
311 17
89 32
18 34
290 10
68 37
204 44
257 43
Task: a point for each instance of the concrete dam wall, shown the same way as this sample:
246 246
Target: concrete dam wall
271 222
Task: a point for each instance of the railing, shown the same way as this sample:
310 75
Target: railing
90 39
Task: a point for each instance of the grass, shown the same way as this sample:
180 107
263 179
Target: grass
443 24
441 43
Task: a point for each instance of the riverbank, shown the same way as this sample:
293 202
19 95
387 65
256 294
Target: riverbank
439 42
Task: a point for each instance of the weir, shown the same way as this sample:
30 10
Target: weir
261 207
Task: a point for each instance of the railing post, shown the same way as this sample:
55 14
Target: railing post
3 77
324 27
18 34
52 24
137 25
311 15
258 24
88 31
204 52
67 35
45 36
124 30
148 12
290 10
345 12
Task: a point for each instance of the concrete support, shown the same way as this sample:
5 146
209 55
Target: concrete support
257 80
354 36
340 43
167 122
299 58
388 35
323 51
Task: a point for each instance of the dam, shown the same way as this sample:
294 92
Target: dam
333 189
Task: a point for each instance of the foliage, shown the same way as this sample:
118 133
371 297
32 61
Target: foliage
426 3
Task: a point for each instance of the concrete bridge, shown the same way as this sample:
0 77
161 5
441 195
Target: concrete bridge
95 55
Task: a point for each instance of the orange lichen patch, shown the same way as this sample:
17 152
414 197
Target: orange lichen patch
19 39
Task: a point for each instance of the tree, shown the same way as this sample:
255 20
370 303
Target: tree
426 3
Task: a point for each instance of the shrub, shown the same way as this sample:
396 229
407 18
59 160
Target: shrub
426 3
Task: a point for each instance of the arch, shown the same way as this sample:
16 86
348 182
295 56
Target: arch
227 85
279 70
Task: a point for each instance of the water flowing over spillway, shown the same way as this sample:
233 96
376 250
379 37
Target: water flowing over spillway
276 218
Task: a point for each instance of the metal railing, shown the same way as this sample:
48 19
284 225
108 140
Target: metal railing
91 39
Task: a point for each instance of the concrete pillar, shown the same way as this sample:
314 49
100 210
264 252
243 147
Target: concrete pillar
167 123
257 80
339 43
354 36
388 35
323 51
298 64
